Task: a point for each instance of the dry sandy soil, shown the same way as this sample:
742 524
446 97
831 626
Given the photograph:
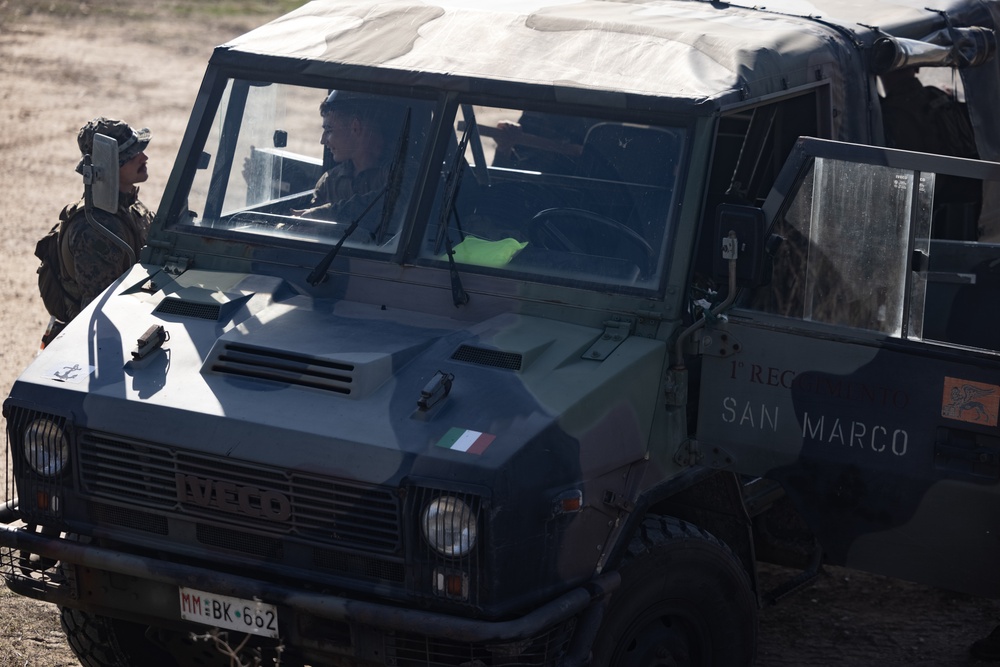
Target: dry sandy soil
63 63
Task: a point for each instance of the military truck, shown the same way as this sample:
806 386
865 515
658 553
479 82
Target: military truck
636 297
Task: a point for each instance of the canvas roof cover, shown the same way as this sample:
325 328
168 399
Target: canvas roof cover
673 55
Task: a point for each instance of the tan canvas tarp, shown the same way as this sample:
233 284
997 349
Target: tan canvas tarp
691 57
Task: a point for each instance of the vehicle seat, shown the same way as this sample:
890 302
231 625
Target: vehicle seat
637 163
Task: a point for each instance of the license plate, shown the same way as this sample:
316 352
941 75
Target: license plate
222 611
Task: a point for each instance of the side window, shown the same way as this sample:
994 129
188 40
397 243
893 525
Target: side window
846 258
751 146
923 110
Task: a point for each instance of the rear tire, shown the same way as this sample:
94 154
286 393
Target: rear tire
685 601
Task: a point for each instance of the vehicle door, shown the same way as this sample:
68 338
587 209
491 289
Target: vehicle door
864 377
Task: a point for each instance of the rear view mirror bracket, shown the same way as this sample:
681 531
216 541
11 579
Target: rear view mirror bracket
739 232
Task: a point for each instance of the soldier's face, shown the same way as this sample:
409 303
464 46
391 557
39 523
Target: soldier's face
340 135
132 173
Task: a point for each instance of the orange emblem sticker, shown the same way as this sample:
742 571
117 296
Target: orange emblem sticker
969 401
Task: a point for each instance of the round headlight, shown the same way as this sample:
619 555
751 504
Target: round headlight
46 447
449 526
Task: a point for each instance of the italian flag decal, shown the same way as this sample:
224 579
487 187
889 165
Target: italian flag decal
464 440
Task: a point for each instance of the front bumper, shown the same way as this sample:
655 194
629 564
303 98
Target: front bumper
584 603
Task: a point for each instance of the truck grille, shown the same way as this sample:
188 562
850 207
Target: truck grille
326 511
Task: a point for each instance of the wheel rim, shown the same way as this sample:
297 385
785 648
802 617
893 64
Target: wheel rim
667 634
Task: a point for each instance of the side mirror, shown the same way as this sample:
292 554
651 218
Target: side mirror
739 234
104 160
100 186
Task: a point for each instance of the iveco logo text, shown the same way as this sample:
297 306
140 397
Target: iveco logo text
230 497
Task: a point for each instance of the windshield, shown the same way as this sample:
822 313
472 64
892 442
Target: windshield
535 196
555 197
298 163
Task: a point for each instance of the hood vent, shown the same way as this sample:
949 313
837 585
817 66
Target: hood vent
477 355
285 367
204 311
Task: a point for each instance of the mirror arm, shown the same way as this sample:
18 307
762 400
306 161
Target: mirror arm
88 208
714 312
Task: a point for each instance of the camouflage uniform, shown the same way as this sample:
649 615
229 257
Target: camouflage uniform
342 195
90 260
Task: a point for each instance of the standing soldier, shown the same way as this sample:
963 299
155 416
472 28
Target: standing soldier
90 261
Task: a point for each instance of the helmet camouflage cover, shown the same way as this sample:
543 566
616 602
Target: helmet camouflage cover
130 142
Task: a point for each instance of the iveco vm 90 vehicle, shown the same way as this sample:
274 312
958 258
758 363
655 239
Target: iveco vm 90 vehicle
554 323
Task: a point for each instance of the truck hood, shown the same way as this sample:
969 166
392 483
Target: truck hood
253 370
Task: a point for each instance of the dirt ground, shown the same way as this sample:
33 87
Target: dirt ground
62 63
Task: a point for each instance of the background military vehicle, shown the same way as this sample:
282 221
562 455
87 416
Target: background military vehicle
528 448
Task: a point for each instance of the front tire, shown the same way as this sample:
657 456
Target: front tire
685 601
99 641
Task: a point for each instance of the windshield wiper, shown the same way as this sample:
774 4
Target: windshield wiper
395 184
318 274
476 141
452 184
392 188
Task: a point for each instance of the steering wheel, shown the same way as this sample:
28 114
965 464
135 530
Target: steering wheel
577 230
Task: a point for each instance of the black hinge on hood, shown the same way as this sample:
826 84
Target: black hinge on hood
175 265
615 333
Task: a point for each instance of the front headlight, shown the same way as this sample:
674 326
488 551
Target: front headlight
46 447
449 526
